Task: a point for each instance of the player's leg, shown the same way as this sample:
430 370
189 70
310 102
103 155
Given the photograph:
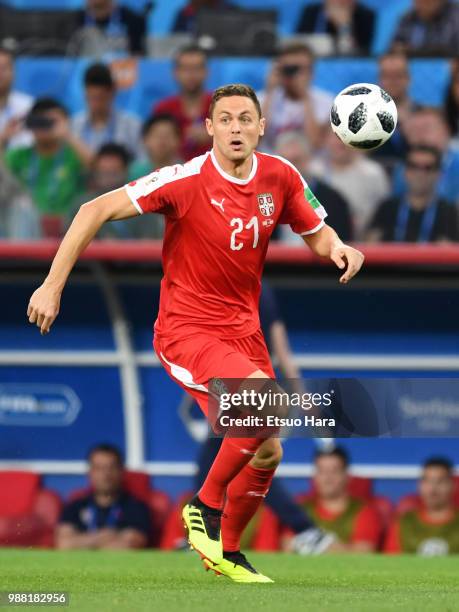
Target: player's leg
202 515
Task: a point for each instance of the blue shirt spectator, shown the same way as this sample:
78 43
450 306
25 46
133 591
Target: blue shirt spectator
350 24
101 123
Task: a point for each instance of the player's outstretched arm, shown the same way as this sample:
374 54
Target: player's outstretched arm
44 304
326 243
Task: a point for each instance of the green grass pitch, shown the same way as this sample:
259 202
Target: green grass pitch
168 582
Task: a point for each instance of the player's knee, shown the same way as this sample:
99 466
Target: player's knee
268 456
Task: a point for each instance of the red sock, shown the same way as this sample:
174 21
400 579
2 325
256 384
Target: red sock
244 496
233 455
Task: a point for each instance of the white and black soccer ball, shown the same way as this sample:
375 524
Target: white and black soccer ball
363 116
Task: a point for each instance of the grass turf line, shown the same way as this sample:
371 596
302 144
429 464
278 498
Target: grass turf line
150 580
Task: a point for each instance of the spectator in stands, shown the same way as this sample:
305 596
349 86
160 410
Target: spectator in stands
191 105
14 106
109 171
354 522
19 218
289 101
431 27
360 180
108 517
451 105
428 126
101 122
294 147
433 527
421 215
350 23
110 27
52 168
186 18
394 77
161 141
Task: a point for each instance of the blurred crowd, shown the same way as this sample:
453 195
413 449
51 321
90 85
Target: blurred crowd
406 191
118 509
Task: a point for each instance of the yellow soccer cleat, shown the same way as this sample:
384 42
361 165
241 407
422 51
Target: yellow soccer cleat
236 567
203 527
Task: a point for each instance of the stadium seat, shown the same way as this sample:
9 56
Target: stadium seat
138 484
28 513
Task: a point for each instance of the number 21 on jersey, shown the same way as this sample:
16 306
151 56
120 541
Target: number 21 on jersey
238 225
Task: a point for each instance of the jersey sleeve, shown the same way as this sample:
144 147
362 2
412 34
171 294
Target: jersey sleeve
302 210
163 191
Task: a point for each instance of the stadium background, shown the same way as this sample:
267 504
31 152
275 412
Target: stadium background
399 318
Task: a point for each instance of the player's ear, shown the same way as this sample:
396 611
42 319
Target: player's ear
261 130
209 126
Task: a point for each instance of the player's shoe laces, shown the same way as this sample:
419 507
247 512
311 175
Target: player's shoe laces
313 541
236 567
203 526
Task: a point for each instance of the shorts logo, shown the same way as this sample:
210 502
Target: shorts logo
266 204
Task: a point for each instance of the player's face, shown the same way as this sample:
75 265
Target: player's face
436 488
105 473
235 127
331 477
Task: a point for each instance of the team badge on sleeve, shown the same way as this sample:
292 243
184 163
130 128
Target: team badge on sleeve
266 204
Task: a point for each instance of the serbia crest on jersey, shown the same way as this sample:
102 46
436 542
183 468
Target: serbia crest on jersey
266 204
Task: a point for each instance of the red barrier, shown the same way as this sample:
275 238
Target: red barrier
150 251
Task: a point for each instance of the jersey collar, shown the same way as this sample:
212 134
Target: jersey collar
233 179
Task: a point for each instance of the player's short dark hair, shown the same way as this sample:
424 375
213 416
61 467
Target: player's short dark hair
98 75
43 105
439 462
337 451
112 149
111 449
235 89
188 50
296 47
160 118
433 151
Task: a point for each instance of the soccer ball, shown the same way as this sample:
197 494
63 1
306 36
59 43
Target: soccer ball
363 116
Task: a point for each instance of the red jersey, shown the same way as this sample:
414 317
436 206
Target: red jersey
216 237
174 106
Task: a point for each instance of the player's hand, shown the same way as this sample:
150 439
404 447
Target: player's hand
347 257
44 307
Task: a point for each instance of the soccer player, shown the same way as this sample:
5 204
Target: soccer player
221 209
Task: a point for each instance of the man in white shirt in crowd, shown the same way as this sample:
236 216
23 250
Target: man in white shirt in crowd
360 180
289 101
14 106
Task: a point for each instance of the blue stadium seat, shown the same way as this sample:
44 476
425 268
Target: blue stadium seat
62 77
